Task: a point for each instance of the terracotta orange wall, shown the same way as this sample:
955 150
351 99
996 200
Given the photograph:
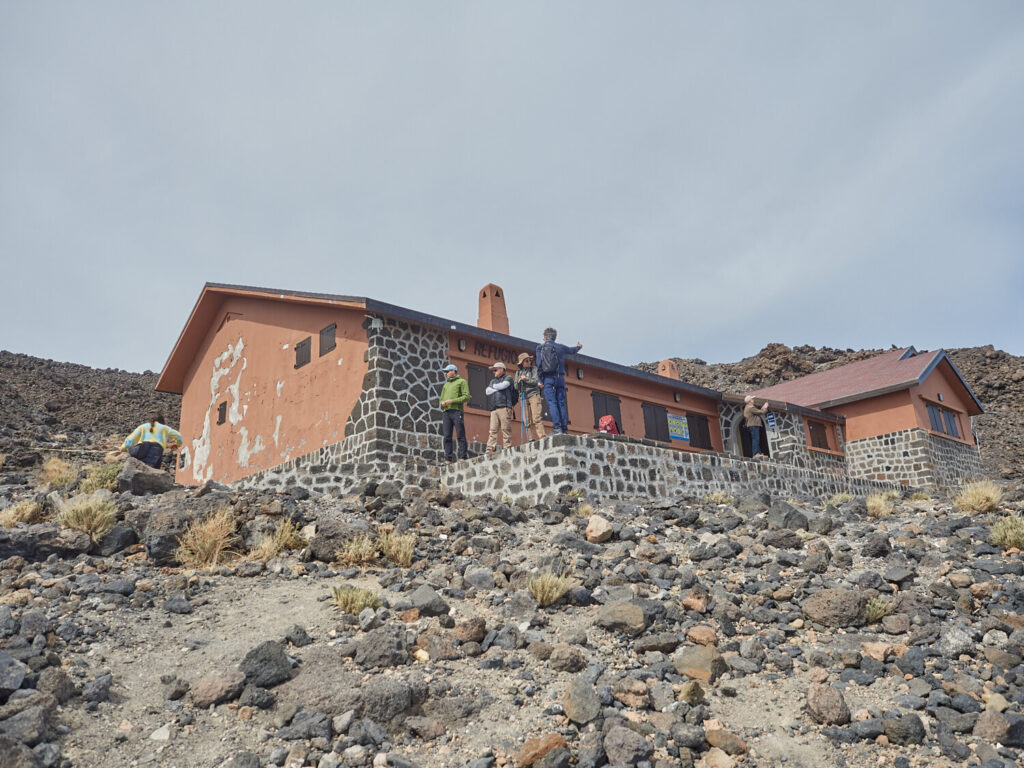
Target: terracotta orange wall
275 412
877 415
632 393
943 381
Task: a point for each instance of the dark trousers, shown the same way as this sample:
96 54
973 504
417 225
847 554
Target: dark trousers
148 453
451 420
554 394
755 440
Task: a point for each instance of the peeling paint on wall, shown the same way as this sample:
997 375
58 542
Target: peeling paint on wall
223 365
186 457
280 386
277 429
244 452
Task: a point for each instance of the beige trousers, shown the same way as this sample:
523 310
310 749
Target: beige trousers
501 418
534 415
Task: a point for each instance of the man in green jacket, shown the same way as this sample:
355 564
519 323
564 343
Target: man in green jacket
454 395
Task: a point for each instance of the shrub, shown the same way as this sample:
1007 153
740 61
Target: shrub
58 472
875 609
359 551
718 497
547 588
839 499
353 600
979 496
920 496
27 512
100 476
879 506
399 548
285 536
206 540
94 517
584 510
1008 532
575 493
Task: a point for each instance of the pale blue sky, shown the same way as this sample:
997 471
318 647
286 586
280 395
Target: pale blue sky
655 179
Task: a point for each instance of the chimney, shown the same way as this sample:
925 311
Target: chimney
492 315
668 368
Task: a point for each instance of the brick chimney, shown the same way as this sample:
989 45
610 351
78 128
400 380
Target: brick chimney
668 368
492 315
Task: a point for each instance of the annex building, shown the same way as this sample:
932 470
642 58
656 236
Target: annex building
288 387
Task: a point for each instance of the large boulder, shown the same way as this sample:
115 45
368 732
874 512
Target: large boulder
38 542
836 607
782 514
826 705
266 665
141 479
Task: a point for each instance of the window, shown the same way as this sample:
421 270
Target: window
818 433
222 412
302 351
477 377
700 435
943 421
606 405
655 423
327 339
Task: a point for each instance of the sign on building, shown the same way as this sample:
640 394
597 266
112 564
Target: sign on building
678 428
773 426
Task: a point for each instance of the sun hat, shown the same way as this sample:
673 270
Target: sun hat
499 364
524 356
449 368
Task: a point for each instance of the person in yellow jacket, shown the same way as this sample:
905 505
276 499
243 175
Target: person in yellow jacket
149 441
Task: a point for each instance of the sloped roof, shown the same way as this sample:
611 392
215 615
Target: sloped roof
213 295
889 372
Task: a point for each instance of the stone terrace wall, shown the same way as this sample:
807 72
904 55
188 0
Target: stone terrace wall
914 457
618 467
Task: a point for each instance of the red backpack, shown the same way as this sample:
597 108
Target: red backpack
607 425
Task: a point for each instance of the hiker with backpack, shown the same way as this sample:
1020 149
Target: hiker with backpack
551 370
501 399
527 384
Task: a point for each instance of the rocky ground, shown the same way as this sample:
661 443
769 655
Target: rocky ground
694 633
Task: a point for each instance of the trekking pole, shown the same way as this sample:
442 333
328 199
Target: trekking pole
522 417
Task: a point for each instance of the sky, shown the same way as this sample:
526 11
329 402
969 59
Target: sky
653 179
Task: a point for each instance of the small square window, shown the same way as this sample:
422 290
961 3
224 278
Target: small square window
327 339
222 412
818 433
302 350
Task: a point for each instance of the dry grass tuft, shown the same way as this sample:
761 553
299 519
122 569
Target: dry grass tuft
584 510
718 497
285 537
27 512
58 472
399 548
839 499
920 496
876 609
1008 532
206 540
353 600
547 588
359 551
879 506
979 496
94 517
100 476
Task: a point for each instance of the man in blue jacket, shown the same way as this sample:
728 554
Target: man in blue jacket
551 370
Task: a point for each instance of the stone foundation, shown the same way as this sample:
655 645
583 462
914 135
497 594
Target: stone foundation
914 457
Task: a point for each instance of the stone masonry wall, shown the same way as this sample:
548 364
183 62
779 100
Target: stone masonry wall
402 387
789 447
618 467
914 457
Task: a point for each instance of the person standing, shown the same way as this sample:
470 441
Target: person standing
501 398
149 441
527 384
454 395
753 421
551 370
